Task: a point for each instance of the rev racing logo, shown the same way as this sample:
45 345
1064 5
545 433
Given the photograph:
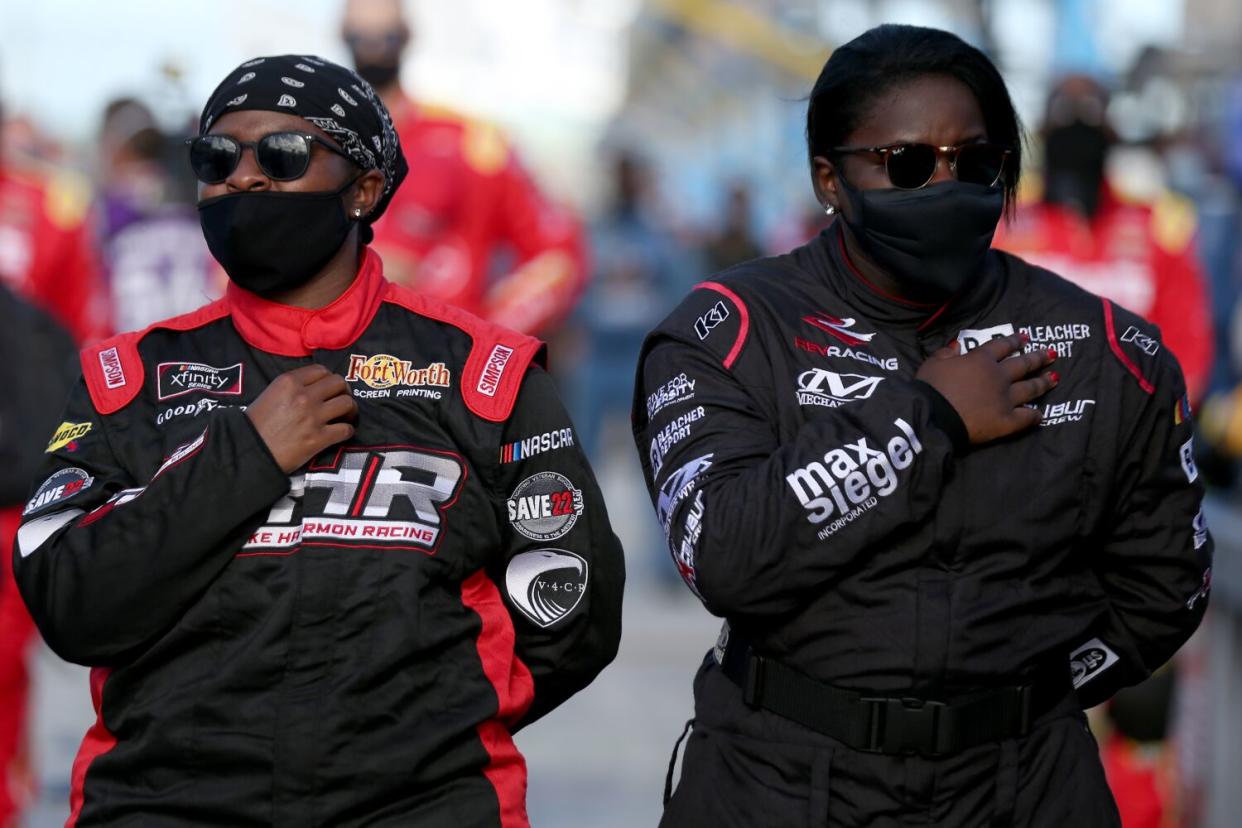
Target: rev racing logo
830 389
850 480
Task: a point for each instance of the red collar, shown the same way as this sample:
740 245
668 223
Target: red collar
295 332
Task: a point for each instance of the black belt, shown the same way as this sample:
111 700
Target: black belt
880 724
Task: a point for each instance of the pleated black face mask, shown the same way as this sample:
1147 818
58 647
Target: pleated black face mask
274 241
935 238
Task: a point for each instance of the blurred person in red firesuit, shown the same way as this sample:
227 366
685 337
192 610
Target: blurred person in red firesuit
468 198
49 284
1142 256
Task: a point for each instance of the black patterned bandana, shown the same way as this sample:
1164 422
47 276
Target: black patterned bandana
330 96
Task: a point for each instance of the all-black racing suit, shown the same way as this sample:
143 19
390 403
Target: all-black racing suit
352 644
830 508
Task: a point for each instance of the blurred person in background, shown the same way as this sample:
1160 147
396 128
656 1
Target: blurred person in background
1142 256
733 242
36 376
155 260
325 543
470 206
640 271
47 252
934 532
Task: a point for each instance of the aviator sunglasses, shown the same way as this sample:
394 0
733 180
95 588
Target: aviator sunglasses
911 166
282 156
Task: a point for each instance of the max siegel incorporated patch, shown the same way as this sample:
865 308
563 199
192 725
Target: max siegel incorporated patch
545 506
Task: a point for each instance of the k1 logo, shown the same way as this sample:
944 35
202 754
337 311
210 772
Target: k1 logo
373 497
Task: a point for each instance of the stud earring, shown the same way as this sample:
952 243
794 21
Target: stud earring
829 210
357 212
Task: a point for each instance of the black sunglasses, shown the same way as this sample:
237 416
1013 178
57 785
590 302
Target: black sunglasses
911 166
282 156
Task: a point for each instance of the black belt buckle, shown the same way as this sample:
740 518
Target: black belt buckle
752 688
905 726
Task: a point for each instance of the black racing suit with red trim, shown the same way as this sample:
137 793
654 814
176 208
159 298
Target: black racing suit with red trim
352 644
828 506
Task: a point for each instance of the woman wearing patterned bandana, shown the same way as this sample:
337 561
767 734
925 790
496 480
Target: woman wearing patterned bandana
326 543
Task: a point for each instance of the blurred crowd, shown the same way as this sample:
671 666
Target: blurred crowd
1136 194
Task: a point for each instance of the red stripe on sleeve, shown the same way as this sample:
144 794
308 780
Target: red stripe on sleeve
743 313
515 690
96 743
1121 355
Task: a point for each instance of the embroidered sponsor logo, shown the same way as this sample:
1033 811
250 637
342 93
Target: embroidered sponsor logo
679 389
672 434
391 498
1060 338
1145 343
178 378
718 313
61 485
851 479
684 553
546 585
1066 412
833 351
1202 592
677 487
386 371
1200 527
1187 454
828 388
539 444
842 329
489 382
545 506
66 436
110 362
191 409
1089 660
970 338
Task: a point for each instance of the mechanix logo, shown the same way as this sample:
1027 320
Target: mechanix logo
970 338
1089 660
828 388
1060 338
66 435
384 372
832 351
546 585
839 328
62 485
1145 343
110 362
705 323
850 480
672 434
391 498
679 389
545 506
548 441
489 382
178 378
1066 412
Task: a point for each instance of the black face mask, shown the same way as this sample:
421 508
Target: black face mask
934 239
1074 157
379 75
269 241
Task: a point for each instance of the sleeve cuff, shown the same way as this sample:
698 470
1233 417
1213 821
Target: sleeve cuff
945 417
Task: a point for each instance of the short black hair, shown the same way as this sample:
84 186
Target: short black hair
857 74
